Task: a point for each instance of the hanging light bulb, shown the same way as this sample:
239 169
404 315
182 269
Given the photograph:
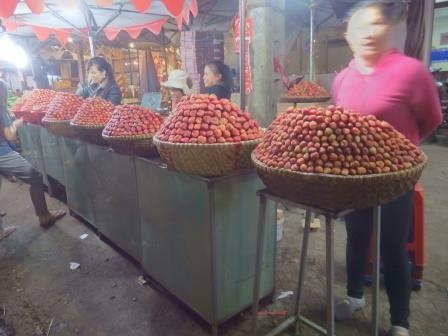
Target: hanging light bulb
13 53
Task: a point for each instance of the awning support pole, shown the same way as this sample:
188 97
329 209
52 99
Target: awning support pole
311 60
112 18
56 14
91 26
242 13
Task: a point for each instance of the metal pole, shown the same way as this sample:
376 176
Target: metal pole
112 18
329 259
376 268
242 12
302 265
60 17
258 261
92 46
213 261
311 60
429 22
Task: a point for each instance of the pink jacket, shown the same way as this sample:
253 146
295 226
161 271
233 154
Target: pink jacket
400 91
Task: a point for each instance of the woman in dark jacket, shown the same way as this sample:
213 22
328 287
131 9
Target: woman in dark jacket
217 79
101 82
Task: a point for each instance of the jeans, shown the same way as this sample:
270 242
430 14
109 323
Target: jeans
396 221
14 163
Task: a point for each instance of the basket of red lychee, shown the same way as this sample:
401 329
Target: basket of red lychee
306 91
336 159
207 136
131 129
91 118
60 111
33 106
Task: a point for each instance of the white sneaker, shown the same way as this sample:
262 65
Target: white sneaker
398 331
345 308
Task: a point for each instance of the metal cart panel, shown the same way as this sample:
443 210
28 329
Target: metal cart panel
174 219
31 147
78 172
199 236
52 155
114 190
236 219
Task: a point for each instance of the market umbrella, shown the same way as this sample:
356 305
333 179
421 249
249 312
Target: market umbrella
60 19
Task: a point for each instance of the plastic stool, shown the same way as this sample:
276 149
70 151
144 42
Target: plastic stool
416 243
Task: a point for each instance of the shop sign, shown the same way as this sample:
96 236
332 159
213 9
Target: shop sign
247 40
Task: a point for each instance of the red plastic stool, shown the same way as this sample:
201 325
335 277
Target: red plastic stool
416 244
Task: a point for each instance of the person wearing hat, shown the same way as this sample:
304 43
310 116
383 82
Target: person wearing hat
179 84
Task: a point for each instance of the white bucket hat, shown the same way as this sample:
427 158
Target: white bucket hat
178 79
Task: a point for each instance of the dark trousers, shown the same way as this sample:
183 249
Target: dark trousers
396 221
14 163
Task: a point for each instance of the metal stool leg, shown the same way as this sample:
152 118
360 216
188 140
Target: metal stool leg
258 258
329 240
376 268
302 265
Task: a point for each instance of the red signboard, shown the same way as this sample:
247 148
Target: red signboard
248 38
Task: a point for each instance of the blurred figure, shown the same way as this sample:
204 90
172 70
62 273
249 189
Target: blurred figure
12 162
383 82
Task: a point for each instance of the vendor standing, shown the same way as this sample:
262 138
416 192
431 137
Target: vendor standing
179 84
101 82
383 82
217 79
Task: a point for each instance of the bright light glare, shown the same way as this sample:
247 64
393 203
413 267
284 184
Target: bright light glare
13 53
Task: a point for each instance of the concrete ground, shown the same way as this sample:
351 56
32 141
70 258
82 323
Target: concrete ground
40 295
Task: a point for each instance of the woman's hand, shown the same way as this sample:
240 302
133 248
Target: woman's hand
18 122
11 132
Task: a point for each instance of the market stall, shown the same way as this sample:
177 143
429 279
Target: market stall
195 236
188 217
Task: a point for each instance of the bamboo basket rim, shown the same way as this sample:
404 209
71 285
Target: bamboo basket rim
216 145
129 137
90 127
290 173
285 98
53 121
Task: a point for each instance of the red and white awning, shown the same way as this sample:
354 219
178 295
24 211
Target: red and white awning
63 18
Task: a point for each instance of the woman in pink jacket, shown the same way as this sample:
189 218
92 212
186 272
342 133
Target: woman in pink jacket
400 90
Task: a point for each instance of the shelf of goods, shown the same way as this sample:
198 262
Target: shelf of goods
195 236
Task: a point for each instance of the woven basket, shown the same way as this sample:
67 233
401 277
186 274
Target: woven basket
140 145
338 192
302 99
59 127
91 134
206 159
30 117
